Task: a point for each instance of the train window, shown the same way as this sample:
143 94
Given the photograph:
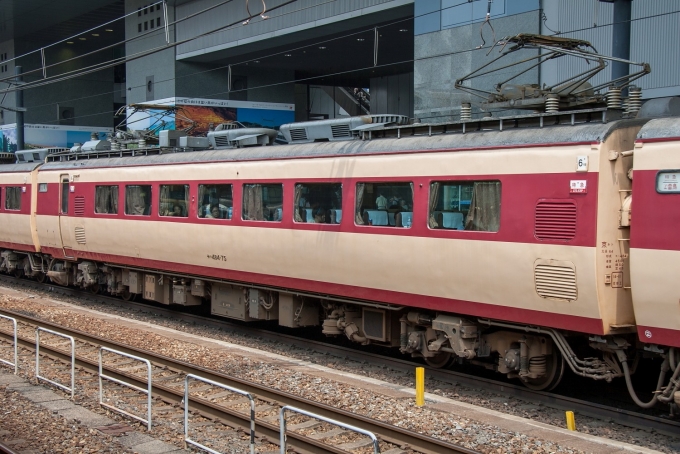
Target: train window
13 198
215 201
174 200
64 194
106 199
263 202
387 204
138 200
465 205
319 203
42 187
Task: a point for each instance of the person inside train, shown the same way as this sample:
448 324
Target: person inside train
214 212
381 202
403 206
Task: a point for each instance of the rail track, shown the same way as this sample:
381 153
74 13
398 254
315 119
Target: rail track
212 402
599 411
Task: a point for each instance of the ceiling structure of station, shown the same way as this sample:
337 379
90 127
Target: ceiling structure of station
337 54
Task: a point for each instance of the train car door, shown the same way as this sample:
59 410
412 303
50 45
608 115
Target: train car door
64 221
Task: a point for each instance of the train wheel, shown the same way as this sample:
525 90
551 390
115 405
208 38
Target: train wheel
41 277
18 272
126 295
94 289
554 371
438 361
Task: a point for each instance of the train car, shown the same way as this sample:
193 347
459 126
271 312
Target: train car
18 238
655 242
470 241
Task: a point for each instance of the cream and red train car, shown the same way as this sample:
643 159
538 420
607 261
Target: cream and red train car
18 239
504 248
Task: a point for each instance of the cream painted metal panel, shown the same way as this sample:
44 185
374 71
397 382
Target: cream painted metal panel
478 271
15 228
497 162
659 304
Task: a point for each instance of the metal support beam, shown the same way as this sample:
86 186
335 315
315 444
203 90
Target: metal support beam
621 38
19 104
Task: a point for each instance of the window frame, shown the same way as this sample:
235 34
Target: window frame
355 210
150 208
283 202
450 182
117 186
200 205
6 199
187 200
317 183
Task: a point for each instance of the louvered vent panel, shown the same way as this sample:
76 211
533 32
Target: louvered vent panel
80 235
222 141
298 134
555 281
340 131
555 220
79 206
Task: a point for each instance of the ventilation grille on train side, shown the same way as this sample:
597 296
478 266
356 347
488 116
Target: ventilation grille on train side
80 235
340 131
555 220
79 206
556 280
298 134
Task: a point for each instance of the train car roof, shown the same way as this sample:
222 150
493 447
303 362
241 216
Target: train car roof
511 137
22 167
660 128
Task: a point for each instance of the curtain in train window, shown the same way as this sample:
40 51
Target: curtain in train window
434 197
215 201
106 200
174 200
485 207
263 202
13 198
358 219
138 200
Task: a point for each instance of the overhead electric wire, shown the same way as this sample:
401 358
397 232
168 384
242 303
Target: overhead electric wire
310 45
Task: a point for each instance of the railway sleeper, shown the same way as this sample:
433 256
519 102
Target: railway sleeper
536 356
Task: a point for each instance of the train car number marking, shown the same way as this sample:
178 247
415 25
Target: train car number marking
222 258
582 163
578 186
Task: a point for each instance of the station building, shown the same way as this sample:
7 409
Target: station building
317 58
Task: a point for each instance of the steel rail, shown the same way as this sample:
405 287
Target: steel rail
4 449
386 432
623 417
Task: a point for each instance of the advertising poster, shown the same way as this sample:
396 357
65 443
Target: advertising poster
197 115
45 136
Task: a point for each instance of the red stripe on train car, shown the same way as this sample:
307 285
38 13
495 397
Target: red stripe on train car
493 311
519 196
655 217
17 246
661 336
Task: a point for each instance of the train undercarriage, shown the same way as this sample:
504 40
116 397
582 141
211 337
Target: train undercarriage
536 356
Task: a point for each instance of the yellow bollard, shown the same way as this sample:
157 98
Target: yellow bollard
420 386
571 421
